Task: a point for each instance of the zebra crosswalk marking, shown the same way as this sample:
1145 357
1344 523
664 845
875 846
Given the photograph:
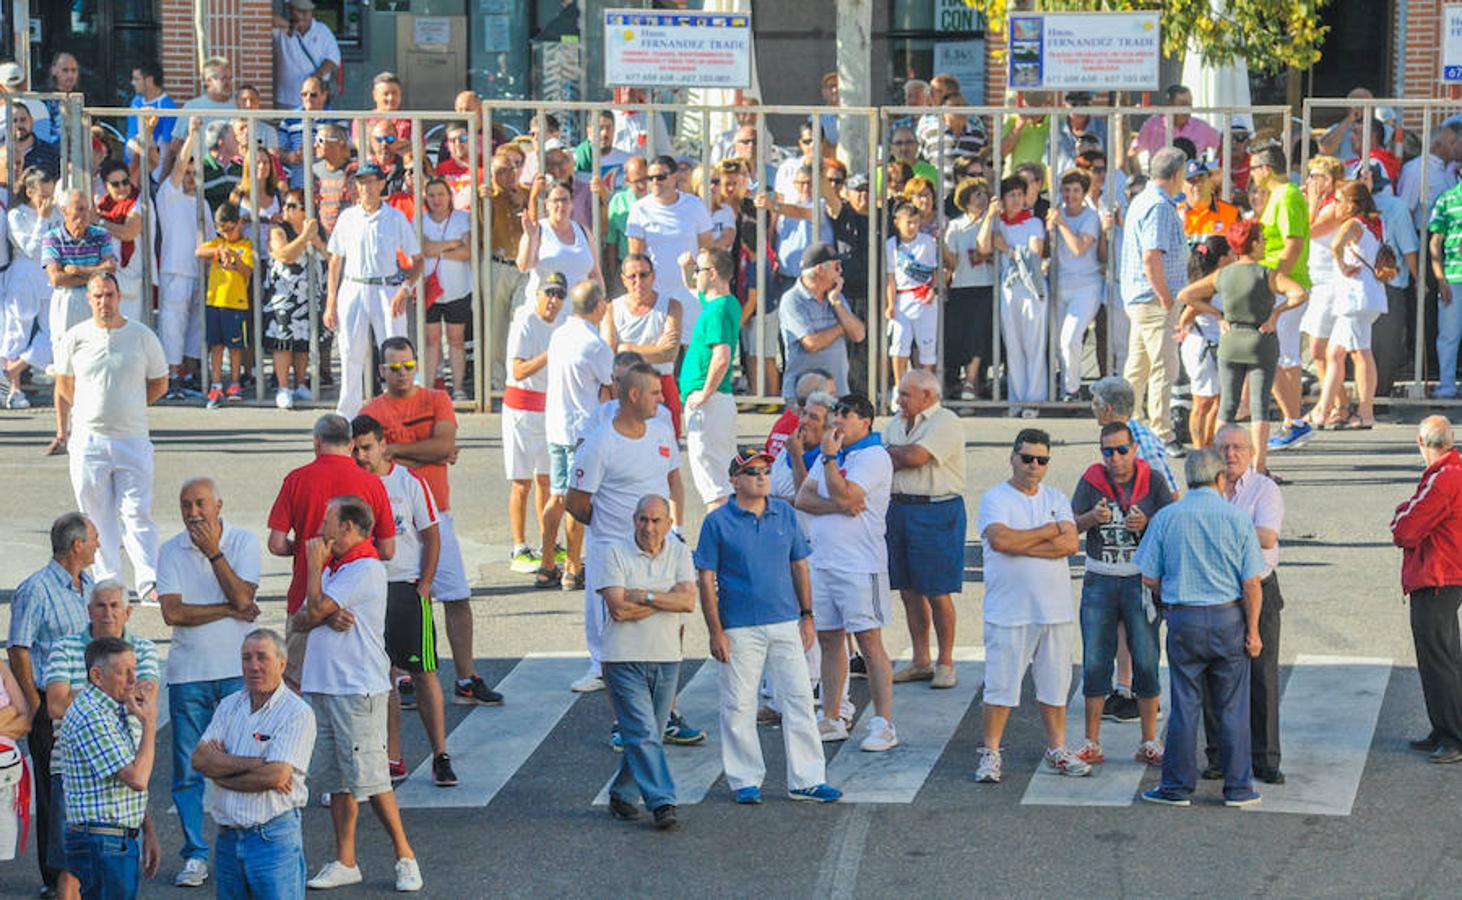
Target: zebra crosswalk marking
499 740
693 769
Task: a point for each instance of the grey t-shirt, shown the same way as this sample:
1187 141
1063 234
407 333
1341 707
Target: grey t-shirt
655 638
801 314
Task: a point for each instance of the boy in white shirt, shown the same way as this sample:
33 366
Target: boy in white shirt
910 292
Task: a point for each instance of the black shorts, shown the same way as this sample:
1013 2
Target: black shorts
411 635
453 312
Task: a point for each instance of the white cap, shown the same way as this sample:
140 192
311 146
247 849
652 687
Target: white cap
11 74
553 144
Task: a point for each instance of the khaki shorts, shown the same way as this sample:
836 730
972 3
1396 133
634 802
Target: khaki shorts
295 643
350 744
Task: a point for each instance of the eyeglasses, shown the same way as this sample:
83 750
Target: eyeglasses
715 182
1029 458
905 143
457 138
658 178
804 140
754 471
118 183
1240 139
384 138
645 273
1120 449
404 366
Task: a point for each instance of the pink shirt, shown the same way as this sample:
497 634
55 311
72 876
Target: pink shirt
1153 135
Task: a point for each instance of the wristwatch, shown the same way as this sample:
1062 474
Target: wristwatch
649 598
805 613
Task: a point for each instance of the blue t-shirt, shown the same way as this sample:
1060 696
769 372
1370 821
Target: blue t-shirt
162 132
752 558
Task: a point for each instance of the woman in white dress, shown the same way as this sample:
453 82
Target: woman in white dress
1359 299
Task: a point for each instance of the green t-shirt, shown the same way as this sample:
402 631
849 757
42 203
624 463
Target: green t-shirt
1446 220
1031 145
719 323
1287 215
922 169
618 218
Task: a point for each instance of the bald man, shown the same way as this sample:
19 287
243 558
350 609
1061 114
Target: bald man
1428 529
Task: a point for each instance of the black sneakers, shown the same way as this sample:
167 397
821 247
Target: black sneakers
665 819
475 691
626 812
1120 708
441 771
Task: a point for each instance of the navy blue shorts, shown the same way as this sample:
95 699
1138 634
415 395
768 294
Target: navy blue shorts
926 546
227 327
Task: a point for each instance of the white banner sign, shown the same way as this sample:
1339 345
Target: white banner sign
1452 44
1085 51
677 49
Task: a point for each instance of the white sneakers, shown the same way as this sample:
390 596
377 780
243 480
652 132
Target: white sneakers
334 875
284 399
588 683
193 874
988 771
881 736
832 730
1061 761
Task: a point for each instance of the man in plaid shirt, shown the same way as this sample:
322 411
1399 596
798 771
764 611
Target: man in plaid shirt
108 740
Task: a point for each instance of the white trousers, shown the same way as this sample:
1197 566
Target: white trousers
1023 326
68 307
1079 309
1118 329
361 309
112 479
778 649
179 318
710 441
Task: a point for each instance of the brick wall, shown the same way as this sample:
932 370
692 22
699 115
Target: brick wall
1421 55
994 69
238 29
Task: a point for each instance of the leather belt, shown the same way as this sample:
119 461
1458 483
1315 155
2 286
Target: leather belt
120 831
922 499
1228 605
367 280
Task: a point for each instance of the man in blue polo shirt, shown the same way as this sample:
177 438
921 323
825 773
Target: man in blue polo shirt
759 614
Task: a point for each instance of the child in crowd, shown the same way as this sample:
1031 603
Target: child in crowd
1076 229
970 320
1013 231
231 265
910 292
1198 342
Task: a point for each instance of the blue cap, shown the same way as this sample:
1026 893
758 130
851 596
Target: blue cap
370 170
1196 169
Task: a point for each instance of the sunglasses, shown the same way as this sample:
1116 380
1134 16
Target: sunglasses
843 409
751 140
118 183
837 182
905 143
1029 458
554 292
658 178
406 366
700 269
309 93
384 138
1240 139
634 275
1120 449
754 471
804 140
457 138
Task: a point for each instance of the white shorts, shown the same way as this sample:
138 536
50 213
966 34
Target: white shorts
525 444
1353 332
914 323
850 601
1045 649
710 443
450 582
1288 330
1319 313
1201 364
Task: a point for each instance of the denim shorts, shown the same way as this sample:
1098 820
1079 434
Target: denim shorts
926 546
560 467
1105 601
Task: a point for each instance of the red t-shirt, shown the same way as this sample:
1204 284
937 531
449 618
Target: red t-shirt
781 430
116 212
412 419
459 179
300 508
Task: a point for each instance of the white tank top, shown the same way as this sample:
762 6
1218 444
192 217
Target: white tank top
643 329
1371 293
1321 262
574 260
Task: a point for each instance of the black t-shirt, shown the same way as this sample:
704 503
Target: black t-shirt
1110 546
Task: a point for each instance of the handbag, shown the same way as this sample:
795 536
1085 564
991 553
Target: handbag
12 766
433 287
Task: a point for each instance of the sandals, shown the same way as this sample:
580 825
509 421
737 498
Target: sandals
547 578
57 446
1356 423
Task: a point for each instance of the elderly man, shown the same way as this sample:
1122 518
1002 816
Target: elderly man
365 245
256 752
223 168
1113 502
1028 531
808 383
1153 136
926 523
1154 268
1257 495
1201 559
107 746
759 615
816 321
207 577
303 47
647 584
1428 529
705 374
346 678
110 370
72 253
334 176
47 607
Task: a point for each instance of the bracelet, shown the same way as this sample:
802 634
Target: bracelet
805 613
215 557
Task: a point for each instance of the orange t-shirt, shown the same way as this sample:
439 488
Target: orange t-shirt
1210 219
412 419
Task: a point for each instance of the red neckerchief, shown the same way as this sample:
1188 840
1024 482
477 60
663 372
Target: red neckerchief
1096 475
1019 217
116 212
364 550
1374 224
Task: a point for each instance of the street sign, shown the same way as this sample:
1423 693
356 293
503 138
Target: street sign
956 16
1101 51
644 48
1452 43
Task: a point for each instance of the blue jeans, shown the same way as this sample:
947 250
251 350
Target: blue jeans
263 863
109 868
1107 600
1206 655
192 705
643 693
1449 336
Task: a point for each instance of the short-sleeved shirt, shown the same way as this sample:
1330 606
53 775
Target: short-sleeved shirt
210 651
1025 590
800 315
719 323
912 265
1287 215
300 508
410 419
1153 135
618 220
1401 235
528 338
332 193
752 556
961 237
1209 219
655 638
855 544
352 662
229 288
669 231
220 178
1201 550
1153 452
67 664
1110 546
177 218
414 512
1031 145
59 248
369 241
1446 220
112 367
98 739
162 131
282 730
1079 272
1153 223
46 608
1261 498
939 431
618 471
298 56
579 363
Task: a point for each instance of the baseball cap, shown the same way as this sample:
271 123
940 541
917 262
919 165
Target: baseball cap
818 253
11 74
370 170
554 280
858 182
1197 168
553 144
749 456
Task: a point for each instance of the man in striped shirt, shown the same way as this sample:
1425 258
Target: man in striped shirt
256 751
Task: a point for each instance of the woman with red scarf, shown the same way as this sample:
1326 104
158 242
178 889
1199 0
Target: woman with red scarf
1360 299
117 212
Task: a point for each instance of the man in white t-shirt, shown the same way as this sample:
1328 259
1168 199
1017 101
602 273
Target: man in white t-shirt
110 370
845 495
580 371
346 679
302 47
180 304
365 290
525 443
218 88
630 456
1028 532
207 577
664 225
411 633
632 127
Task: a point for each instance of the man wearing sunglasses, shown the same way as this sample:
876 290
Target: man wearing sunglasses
1028 531
386 153
293 133
1113 502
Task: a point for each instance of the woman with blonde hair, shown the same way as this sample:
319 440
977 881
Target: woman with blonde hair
1322 176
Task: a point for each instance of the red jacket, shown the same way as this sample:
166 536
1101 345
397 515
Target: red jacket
1428 527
